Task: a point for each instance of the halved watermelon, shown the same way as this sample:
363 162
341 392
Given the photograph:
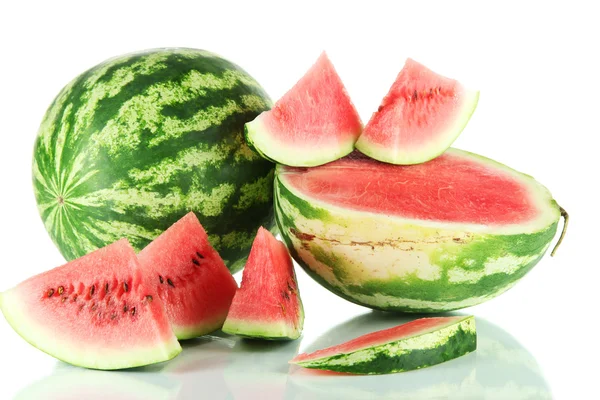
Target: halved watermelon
96 312
312 124
417 344
267 305
421 116
438 236
190 277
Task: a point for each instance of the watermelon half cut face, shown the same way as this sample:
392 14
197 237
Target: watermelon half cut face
95 312
190 278
438 236
312 124
421 116
417 344
267 305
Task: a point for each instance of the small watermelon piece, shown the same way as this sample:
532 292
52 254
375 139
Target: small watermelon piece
312 124
421 116
417 344
190 277
95 312
267 305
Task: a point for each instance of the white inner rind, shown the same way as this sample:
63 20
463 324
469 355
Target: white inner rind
548 211
432 338
260 329
296 156
88 355
434 147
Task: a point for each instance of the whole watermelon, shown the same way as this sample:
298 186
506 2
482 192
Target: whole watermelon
131 145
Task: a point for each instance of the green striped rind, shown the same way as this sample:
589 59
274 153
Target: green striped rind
133 144
404 265
425 350
45 340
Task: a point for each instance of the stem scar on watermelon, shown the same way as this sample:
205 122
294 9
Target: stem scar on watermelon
418 344
98 312
267 305
190 278
420 117
314 123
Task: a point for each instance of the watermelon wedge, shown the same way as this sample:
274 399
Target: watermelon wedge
421 116
443 235
267 305
95 312
417 344
312 124
190 278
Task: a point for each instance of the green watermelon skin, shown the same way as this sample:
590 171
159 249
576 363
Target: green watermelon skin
130 146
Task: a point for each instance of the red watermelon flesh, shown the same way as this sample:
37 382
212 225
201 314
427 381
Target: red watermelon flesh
455 187
267 305
420 117
190 277
96 312
312 124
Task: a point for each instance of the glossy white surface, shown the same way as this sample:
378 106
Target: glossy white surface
226 367
536 66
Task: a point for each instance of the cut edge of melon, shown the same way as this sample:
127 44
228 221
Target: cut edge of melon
435 148
192 332
37 336
427 339
261 330
258 138
548 210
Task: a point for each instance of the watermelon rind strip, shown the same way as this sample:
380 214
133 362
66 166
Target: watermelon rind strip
419 351
263 330
260 140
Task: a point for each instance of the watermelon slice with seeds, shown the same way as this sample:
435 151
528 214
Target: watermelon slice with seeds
421 116
312 124
417 344
190 278
267 305
96 312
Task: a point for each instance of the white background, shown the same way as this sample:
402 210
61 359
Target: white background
536 65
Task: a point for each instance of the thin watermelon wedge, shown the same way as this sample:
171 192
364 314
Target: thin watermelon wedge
267 305
190 277
420 117
417 344
314 123
95 312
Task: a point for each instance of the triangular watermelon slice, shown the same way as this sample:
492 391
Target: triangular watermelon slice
312 124
96 312
418 344
421 116
190 277
267 305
